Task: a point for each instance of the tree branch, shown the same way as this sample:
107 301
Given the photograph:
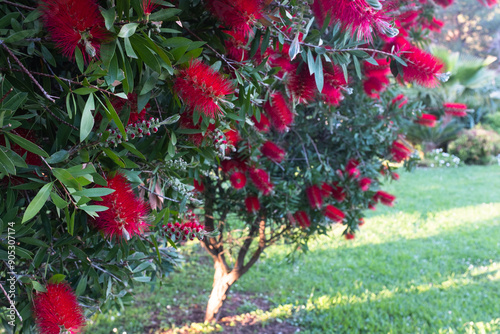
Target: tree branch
259 250
25 70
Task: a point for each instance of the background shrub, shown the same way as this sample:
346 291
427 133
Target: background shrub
476 146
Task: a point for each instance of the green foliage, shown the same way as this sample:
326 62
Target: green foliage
492 121
437 136
437 158
476 146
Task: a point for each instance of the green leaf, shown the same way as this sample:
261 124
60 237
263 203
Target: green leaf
38 287
93 208
265 41
318 73
58 201
17 36
128 30
38 202
112 155
129 50
66 178
93 192
87 122
27 145
295 47
164 14
82 285
79 59
6 164
58 157
57 278
109 17
84 91
115 117
33 241
357 66
255 43
131 148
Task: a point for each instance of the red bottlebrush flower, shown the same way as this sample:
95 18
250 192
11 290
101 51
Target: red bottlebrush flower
326 190
302 85
235 45
333 75
186 122
423 68
198 186
444 3
332 96
238 180
488 3
273 151
75 23
233 164
427 120
302 218
338 193
334 214
126 213
364 183
202 88
373 86
232 137
384 198
352 168
263 125
400 151
261 180
148 6
349 236
435 25
372 206
409 18
401 99
236 14
382 69
279 113
355 16
252 203
361 222
57 309
455 109
314 195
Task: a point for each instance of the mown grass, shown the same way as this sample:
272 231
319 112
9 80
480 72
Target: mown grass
431 264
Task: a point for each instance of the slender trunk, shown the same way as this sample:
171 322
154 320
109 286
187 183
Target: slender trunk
222 282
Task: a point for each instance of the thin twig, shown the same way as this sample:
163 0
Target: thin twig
18 5
62 79
59 118
315 148
25 70
11 302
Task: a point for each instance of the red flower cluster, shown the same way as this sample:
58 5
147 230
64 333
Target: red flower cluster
352 168
376 78
400 151
75 23
252 203
273 151
302 218
238 180
261 180
401 99
334 214
364 183
338 193
349 236
455 109
333 81
488 3
57 309
302 85
236 14
198 185
279 113
444 3
131 102
384 198
148 6
427 120
202 88
186 122
263 125
355 16
314 195
126 213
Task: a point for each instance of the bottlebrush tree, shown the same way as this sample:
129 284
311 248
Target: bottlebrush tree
129 127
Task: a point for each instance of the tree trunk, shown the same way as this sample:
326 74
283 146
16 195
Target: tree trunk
222 282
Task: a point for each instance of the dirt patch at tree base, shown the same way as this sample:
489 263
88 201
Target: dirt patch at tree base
188 321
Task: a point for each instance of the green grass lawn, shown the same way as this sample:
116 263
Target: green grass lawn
431 264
